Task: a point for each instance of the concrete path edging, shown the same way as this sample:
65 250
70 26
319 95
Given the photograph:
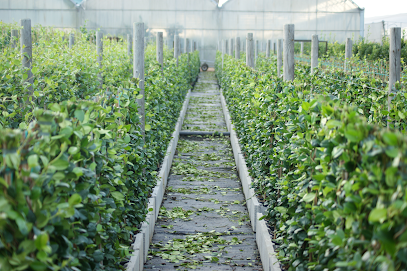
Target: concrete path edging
256 210
143 238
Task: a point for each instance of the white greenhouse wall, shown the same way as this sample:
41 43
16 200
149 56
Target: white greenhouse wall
199 20
332 20
374 32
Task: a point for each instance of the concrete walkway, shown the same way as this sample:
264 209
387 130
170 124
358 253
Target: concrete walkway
203 222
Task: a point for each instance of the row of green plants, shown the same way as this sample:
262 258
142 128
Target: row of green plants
331 174
370 95
76 171
362 49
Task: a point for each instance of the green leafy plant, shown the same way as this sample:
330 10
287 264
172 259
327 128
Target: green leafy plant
330 173
76 173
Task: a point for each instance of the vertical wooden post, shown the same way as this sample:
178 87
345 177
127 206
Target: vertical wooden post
160 49
184 48
268 48
170 42
99 53
223 51
71 40
348 52
232 47
180 47
138 69
188 50
302 49
14 38
99 47
26 51
288 64
237 48
314 52
176 47
129 44
250 50
395 64
279 56
187 46
256 51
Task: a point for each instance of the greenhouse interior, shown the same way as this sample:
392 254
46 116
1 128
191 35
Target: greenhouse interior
262 135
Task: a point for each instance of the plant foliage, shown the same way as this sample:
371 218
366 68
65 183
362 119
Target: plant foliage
76 172
332 176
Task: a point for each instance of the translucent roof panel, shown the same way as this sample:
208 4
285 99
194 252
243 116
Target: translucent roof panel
78 2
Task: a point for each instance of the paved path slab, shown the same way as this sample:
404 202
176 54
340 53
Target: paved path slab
203 222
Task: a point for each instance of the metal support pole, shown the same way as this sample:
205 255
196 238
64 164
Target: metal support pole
176 48
231 47
129 44
395 64
237 48
160 49
268 48
288 64
71 40
250 50
302 49
14 38
26 51
227 47
138 69
348 52
314 52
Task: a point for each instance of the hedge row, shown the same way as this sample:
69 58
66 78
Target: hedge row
76 175
332 177
368 95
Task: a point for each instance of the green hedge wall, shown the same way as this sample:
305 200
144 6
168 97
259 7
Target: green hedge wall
333 178
76 174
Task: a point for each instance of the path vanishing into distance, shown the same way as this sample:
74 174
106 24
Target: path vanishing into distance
203 222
